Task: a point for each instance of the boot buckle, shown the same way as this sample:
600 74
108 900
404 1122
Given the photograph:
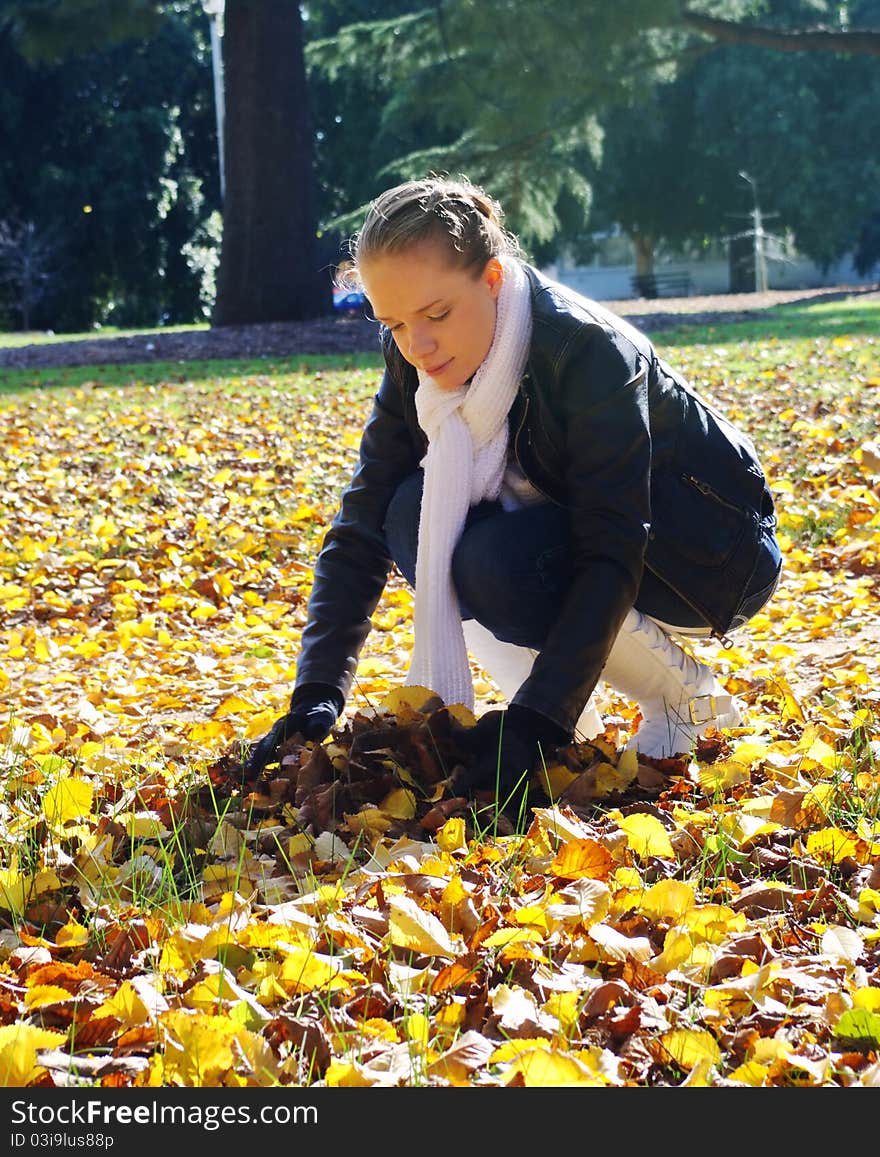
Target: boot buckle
702 709
707 708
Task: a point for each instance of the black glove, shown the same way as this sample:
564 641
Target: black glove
314 708
505 747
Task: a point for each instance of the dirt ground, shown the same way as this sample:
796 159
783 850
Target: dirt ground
339 333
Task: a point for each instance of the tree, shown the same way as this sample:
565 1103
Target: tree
25 265
48 32
110 152
802 125
530 99
357 131
510 88
269 268
815 38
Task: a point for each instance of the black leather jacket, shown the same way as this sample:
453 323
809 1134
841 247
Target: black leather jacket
652 477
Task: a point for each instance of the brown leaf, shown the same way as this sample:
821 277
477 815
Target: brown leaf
461 972
434 819
72 1070
307 1037
316 769
609 995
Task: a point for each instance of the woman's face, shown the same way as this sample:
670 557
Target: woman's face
441 317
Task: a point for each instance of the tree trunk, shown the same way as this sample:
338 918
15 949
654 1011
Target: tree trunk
741 264
643 282
269 268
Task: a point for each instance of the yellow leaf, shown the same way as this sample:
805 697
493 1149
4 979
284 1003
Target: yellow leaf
556 778
410 927
103 527
579 858
452 837
42 994
724 773
72 935
17 891
368 819
70 799
233 705
714 922
831 845
751 1074
417 1030
462 714
142 825
505 936
611 779
868 998
405 700
511 1049
647 836
124 1005
299 843
690 1047
207 1050
306 971
822 753
18 1053
545 1069
400 804
343 1075
669 899
566 1008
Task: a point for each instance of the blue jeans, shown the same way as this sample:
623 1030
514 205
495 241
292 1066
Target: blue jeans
512 569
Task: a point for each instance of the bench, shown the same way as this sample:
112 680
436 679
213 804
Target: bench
662 284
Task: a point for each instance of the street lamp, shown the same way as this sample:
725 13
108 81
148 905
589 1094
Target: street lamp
757 236
214 9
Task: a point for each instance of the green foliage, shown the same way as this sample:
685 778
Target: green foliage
512 90
110 153
580 114
49 31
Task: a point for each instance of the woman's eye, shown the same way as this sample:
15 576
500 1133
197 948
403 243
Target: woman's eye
438 316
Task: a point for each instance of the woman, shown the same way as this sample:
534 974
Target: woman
562 502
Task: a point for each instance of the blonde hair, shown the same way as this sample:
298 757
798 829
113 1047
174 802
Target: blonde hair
461 216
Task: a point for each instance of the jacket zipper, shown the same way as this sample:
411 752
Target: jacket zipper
518 460
709 491
724 640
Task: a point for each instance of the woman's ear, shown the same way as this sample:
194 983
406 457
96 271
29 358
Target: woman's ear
493 275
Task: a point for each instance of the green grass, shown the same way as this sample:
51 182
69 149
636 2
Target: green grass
43 337
820 320
194 372
829 319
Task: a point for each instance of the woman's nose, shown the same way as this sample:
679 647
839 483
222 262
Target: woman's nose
421 342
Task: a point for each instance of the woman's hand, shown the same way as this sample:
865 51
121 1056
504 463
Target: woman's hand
505 748
314 708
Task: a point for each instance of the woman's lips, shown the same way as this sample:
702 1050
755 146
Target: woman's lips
435 370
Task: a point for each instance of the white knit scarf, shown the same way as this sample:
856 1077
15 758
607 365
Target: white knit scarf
465 463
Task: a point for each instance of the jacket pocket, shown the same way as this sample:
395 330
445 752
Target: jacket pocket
691 522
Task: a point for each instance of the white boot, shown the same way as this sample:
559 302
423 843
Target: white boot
509 666
678 696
